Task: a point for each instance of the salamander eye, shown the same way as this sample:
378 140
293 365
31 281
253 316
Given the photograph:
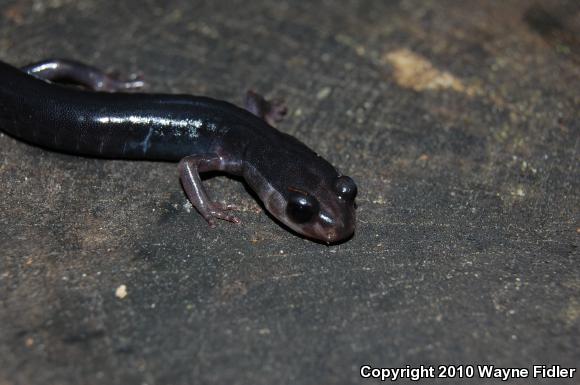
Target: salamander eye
346 188
301 208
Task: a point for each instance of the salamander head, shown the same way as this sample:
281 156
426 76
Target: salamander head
300 188
324 211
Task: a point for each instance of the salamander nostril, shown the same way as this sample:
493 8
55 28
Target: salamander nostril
331 236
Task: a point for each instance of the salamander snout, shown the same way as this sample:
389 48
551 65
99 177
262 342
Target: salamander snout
335 228
327 215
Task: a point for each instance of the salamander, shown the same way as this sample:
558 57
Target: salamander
53 104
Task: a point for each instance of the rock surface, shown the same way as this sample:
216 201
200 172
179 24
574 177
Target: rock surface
458 120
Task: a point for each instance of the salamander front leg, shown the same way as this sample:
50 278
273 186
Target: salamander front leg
189 169
73 72
271 111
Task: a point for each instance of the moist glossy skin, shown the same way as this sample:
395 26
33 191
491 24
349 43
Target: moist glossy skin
298 187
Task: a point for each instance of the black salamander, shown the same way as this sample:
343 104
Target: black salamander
297 186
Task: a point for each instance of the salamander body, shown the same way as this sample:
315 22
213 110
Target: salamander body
297 186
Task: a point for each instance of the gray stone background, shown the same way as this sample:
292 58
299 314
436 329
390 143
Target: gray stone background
459 121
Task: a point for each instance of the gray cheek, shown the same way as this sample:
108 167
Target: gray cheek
274 203
272 199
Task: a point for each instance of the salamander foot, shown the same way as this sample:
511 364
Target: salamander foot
271 111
